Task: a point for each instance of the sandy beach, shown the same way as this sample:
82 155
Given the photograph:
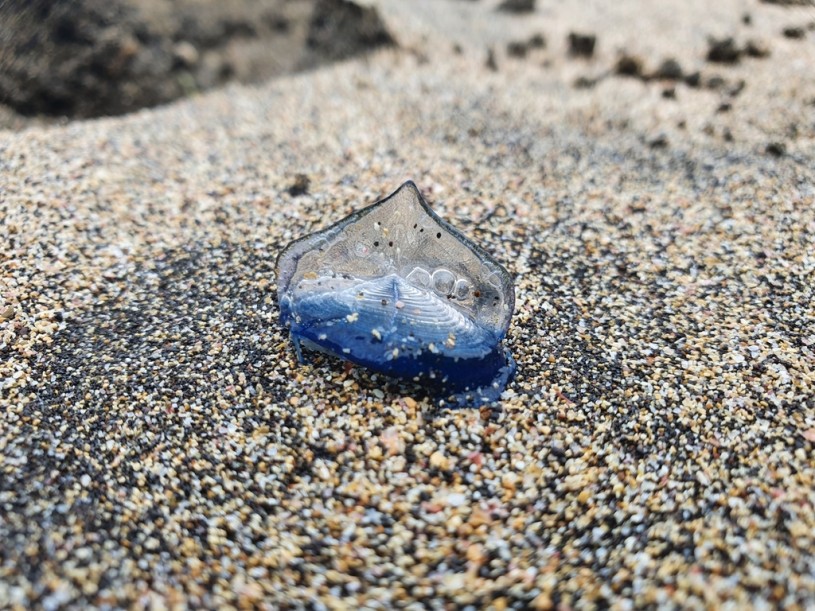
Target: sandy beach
161 446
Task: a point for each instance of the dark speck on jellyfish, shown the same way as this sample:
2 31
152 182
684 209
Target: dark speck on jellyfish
432 307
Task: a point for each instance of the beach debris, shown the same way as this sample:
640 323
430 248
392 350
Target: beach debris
396 289
776 149
658 140
794 32
629 65
93 58
536 41
723 50
581 45
343 28
299 186
517 6
670 70
520 48
516 49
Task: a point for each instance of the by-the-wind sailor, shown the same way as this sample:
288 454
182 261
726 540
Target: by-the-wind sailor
397 290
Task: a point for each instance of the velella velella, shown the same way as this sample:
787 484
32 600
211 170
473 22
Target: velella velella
397 290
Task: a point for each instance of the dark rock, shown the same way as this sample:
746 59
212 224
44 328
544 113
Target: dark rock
629 65
658 141
694 79
517 6
342 28
669 93
89 58
516 49
536 41
59 59
521 48
278 23
299 185
581 45
715 82
776 149
794 32
724 107
670 70
723 51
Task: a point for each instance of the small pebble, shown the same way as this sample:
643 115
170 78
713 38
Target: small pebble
794 32
581 44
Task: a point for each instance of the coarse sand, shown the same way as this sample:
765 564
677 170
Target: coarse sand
160 445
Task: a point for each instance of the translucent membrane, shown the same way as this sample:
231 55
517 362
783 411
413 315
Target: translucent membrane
397 290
